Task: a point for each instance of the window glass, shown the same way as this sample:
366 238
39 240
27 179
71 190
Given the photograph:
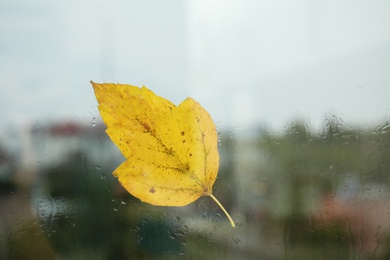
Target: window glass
299 95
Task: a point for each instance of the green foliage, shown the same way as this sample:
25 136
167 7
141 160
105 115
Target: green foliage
307 166
275 183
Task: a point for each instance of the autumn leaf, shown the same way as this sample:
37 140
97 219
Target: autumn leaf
171 151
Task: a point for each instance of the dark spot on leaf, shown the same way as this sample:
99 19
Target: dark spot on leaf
184 141
146 126
190 154
169 151
152 190
182 133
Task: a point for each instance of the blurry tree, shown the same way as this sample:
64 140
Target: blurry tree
21 236
89 213
308 167
224 190
304 162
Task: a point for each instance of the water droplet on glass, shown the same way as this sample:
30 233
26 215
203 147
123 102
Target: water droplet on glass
139 239
94 121
236 240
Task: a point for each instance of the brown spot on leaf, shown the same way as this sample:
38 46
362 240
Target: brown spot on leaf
152 190
146 126
169 151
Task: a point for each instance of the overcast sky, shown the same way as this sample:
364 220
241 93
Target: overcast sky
246 62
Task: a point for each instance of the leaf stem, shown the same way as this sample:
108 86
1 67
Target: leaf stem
223 209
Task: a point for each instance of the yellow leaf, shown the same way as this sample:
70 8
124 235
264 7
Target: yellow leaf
171 151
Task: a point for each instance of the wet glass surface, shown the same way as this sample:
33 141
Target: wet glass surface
299 94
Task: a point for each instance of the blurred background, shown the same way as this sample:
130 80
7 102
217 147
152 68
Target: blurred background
299 92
